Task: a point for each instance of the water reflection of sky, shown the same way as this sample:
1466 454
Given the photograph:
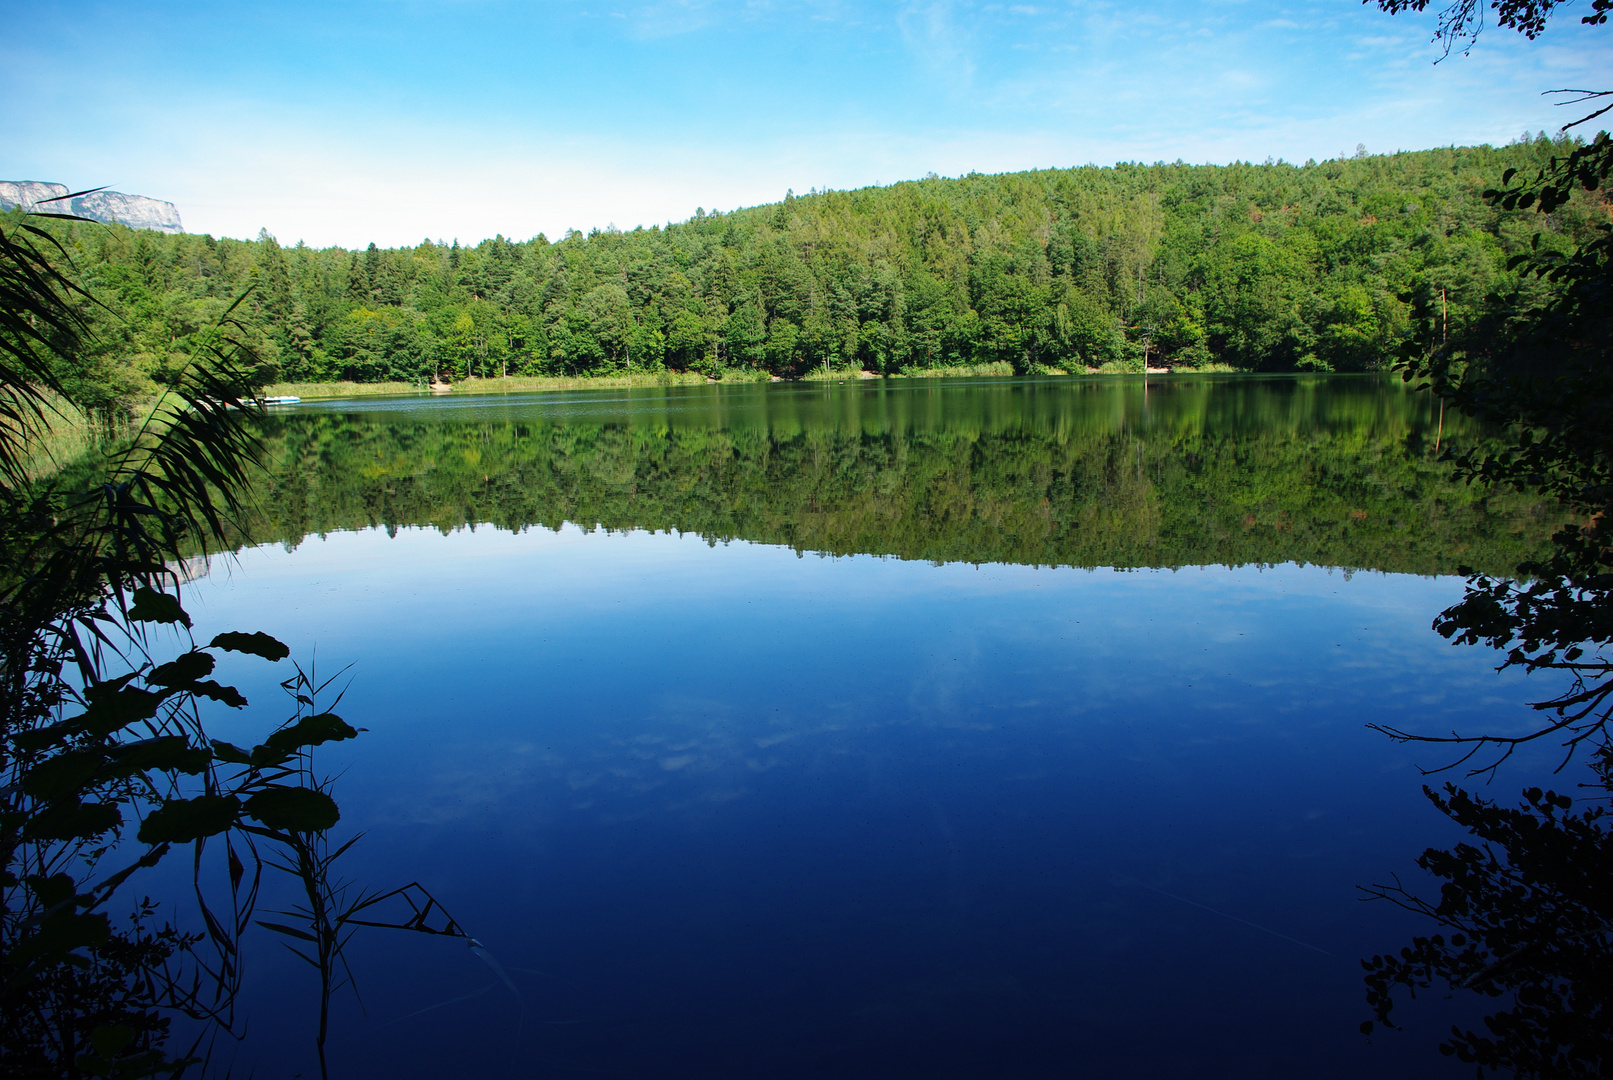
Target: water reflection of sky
729 811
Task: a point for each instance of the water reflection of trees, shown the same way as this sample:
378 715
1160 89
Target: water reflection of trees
1286 476
1353 491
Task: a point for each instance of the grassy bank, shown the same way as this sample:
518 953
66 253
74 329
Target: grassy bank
515 384
530 383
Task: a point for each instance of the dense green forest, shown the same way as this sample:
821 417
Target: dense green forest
1033 473
1322 266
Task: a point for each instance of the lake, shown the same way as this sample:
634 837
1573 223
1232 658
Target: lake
875 729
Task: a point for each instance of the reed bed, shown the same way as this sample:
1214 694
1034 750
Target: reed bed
68 435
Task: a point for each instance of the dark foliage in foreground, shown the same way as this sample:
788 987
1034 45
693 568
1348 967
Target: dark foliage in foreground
1528 912
106 767
1528 907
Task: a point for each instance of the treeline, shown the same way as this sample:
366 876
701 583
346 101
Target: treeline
1321 266
1359 487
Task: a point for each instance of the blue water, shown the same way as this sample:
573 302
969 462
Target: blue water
723 810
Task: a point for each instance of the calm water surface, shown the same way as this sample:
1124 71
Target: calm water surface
931 729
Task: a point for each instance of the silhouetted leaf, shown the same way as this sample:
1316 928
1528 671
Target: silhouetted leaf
185 668
257 644
309 731
65 774
229 695
152 606
73 821
110 1040
113 705
52 890
229 752
59 934
180 821
46 737
295 809
167 753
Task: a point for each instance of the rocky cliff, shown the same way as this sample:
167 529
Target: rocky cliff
135 211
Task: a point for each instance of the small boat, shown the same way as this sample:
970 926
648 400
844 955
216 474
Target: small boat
285 400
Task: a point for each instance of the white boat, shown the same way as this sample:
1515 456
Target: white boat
281 400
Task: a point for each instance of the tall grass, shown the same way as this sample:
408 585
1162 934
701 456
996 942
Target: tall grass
67 435
514 384
1001 367
839 374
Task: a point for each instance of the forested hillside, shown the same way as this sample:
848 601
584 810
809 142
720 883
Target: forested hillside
1259 267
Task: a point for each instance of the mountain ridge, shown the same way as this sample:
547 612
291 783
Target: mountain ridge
107 207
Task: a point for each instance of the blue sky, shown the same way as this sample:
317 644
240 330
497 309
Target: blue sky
393 120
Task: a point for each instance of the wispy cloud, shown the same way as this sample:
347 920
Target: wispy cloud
673 17
934 35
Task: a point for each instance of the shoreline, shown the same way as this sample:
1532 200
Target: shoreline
520 384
